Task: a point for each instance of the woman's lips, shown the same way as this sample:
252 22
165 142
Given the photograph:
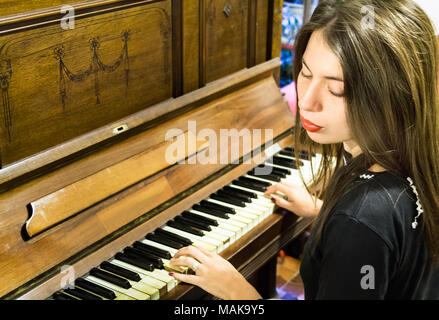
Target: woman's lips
309 126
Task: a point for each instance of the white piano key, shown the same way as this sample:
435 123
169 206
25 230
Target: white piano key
141 286
133 293
251 218
215 245
172 251
228 224
151 281
169 281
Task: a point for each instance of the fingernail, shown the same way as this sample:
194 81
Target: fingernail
171 273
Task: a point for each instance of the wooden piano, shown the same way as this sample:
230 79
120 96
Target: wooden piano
95 96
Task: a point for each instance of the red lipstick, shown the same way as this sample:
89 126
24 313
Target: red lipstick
309 126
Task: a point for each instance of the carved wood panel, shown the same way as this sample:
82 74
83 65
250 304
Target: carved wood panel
58 84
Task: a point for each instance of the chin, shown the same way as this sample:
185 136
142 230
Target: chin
321 138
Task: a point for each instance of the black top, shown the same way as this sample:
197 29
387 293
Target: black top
368 249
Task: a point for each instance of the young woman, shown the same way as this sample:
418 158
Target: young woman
367 87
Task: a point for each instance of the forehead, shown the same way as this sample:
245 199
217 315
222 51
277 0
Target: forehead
320 58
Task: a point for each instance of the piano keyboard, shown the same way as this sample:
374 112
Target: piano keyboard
140 271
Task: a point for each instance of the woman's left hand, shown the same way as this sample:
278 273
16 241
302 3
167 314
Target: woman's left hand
214 274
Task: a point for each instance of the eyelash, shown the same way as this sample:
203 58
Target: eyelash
334 94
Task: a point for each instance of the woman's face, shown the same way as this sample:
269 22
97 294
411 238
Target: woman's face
320 90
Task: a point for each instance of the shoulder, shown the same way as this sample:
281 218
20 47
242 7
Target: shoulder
382 202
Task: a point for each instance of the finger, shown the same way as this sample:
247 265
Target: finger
203 250
292 184
188 278
279 187
193 252
183 261
282 202
272 189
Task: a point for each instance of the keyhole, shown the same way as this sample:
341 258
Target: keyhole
227 10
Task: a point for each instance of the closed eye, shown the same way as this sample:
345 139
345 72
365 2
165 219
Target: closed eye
306 76
337 94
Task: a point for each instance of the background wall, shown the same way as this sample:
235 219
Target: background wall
431 7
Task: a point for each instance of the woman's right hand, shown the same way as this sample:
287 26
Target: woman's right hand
298 199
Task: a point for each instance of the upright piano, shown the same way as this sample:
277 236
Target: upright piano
130 128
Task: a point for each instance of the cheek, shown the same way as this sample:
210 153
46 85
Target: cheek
301 88
338 121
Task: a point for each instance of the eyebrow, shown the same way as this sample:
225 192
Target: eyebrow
328 77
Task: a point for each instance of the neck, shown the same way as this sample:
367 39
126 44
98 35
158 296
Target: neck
353 148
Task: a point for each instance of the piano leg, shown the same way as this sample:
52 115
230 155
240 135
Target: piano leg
264 280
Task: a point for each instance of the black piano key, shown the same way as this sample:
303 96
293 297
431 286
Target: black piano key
211 211
183 240
278 170
244 193
271 177
150 256
141 263
139 254
166 241
236 195
81 294
184 227
217 206
301 164
199 218
194 223
284 162
153 250
95 288
62 296
227 199
256 183
273 173
118 281
128 274
287 153
304 154
248 185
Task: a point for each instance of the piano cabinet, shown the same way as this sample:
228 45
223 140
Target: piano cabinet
85 113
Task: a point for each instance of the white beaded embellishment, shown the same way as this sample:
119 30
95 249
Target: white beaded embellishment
418 203
367 176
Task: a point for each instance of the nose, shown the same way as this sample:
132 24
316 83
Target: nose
309 98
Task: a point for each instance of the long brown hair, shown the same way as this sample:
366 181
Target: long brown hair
391 89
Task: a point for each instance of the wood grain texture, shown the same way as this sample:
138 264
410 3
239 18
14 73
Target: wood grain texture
64 84
146 118
191 45
277 28
226 37
262 14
